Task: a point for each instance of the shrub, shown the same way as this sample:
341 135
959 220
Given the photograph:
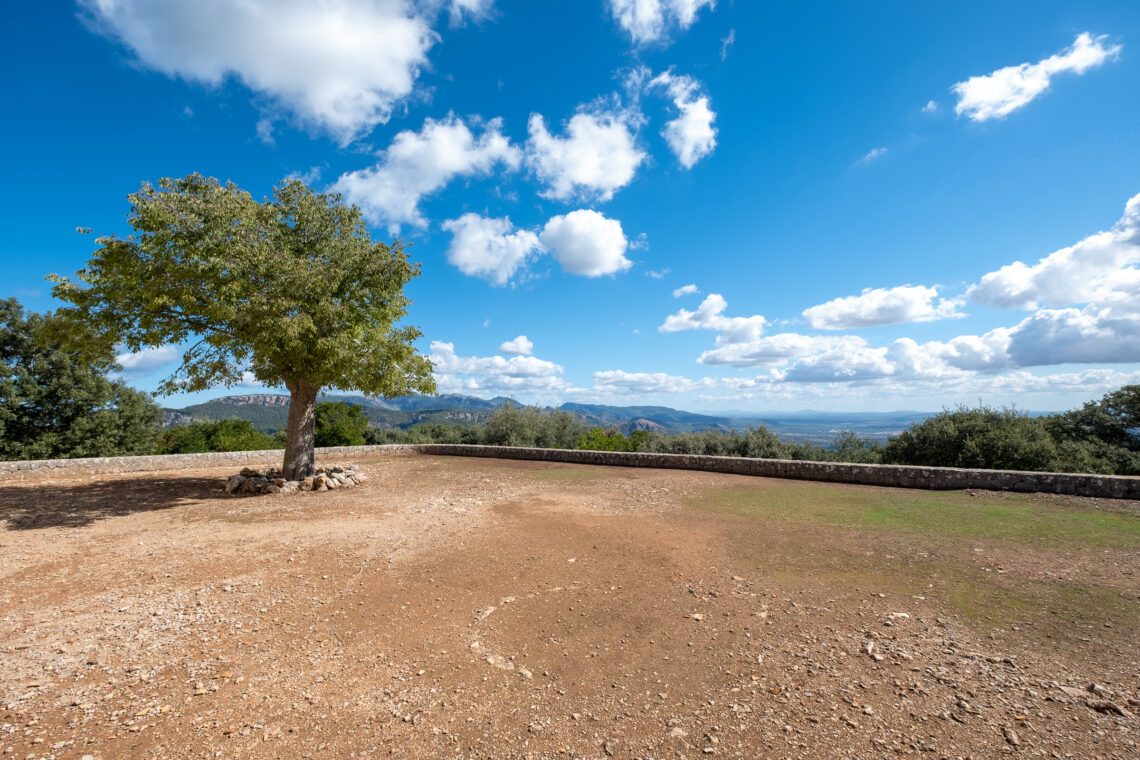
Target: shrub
340 424
988 438
220 435
511 426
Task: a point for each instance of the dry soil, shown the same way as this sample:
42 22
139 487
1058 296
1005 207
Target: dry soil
467 608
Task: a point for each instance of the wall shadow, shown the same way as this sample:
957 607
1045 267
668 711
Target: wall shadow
44 504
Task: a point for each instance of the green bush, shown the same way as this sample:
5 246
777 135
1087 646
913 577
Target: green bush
599 440
510 425
340 424
986 438
221 435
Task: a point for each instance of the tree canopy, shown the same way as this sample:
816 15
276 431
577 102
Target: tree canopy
291 289
56 401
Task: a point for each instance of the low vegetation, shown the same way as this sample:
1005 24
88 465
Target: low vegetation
59 398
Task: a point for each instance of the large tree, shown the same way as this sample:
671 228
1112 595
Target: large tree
292 289
55 397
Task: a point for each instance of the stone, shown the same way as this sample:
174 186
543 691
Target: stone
307 484
318 481
234 482
1104 706
339 477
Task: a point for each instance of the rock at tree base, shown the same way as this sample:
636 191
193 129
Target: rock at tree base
250 481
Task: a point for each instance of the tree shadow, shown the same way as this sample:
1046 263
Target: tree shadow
44 504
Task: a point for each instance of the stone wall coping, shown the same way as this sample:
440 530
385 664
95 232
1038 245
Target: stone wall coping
903 476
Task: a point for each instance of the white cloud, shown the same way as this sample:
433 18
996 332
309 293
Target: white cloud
1077 336
930 107
726 44
143 361
686 290
587 243
341 65
1000 93
520 346
310 177
494 374
459 10
489 248
872 155
597 157
650 20
1102 267
417 164
584 242
637 383
691 136
658 275
709 316
776 350
882 306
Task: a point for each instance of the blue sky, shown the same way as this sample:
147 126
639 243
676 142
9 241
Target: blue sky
710 206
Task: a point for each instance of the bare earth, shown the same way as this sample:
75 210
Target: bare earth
460 608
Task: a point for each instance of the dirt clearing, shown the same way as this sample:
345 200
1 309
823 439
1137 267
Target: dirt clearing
475 608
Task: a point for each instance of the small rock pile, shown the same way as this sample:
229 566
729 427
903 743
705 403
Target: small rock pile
250 481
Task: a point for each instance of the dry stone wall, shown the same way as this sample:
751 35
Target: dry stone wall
931 478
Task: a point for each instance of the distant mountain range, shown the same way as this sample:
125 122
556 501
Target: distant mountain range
269 412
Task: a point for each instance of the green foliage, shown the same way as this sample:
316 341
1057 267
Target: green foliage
56 401
599 440
1102 436
428 432
340 424
292 288
220 435
848 447
985 437
510 425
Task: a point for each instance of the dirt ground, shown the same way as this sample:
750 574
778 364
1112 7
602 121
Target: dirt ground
465 608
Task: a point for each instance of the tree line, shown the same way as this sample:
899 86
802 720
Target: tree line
58 400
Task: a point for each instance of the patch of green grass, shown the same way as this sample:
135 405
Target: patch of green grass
1008 517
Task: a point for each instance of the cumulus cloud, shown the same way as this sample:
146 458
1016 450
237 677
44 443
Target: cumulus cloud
638 383
520 346
1000 93
686 290
587 243
691 135
1094 334
140 362
1102 267
340 65
710 316
494 374
489 248
882 306
460 10
597 156
930 107
417 164
650 20
584 242
776 350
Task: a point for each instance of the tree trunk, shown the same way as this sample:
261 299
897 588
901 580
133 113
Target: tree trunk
300 432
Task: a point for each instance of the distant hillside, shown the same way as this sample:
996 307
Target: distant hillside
655 418
269 412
